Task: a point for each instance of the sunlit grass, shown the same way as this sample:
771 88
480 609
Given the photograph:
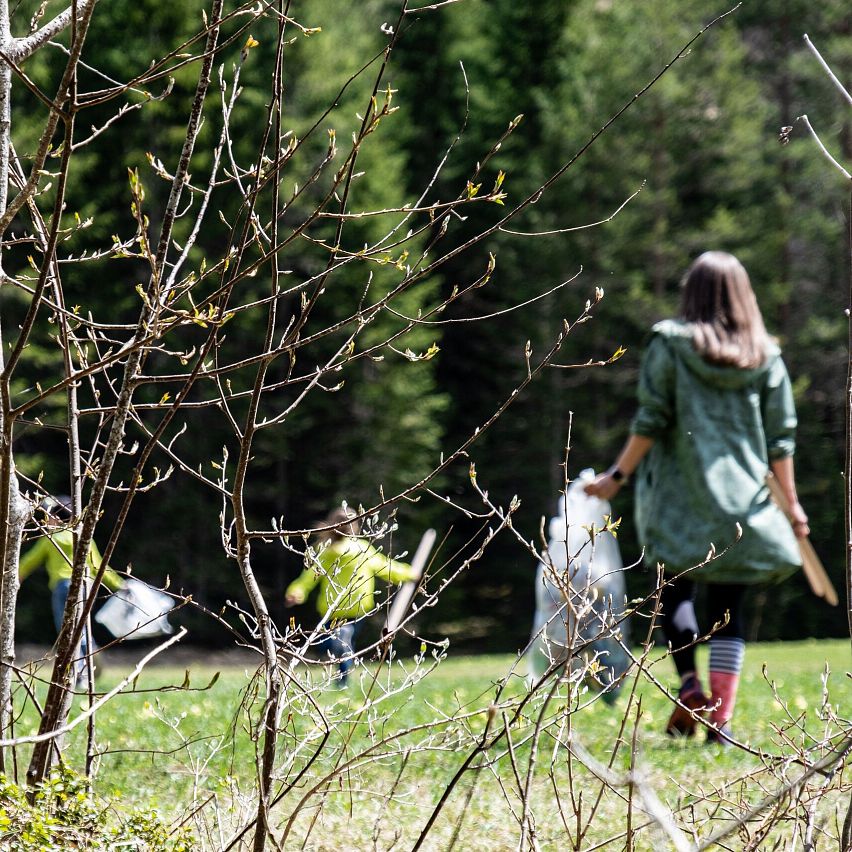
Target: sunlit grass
176 747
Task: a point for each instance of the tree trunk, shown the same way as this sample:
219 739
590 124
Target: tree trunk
16 518
13 508
58 701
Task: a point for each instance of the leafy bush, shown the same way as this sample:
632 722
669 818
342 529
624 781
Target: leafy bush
63 813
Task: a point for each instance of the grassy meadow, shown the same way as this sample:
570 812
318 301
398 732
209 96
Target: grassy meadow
188 748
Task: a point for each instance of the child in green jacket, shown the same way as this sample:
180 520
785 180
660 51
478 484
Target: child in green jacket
55 551
345 566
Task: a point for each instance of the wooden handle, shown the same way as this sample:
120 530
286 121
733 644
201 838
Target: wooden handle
402 599
817 578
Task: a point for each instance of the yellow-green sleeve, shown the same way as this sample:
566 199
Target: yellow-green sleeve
110 579
387 569
35 556
303 584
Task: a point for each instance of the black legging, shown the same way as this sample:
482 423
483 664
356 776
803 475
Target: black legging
722 598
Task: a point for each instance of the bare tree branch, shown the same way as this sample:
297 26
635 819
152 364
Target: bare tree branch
825 67
22 48
823 149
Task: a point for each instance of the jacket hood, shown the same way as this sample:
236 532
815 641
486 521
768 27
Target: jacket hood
679 335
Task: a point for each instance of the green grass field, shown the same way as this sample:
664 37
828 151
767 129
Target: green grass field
180 749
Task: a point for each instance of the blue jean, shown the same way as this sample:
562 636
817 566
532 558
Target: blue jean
58 598
339 644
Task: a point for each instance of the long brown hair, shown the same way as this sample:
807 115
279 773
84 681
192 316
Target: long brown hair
719 302
344 523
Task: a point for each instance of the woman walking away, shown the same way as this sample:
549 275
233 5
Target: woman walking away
715 414
345 566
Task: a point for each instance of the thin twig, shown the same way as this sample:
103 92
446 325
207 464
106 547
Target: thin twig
826 154
93 708
825 67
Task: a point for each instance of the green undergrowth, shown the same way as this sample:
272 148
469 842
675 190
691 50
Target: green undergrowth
65 813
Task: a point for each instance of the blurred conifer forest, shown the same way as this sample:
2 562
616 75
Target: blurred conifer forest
700 153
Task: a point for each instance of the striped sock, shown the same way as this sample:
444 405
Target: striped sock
726 662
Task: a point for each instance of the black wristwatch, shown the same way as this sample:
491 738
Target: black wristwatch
618 475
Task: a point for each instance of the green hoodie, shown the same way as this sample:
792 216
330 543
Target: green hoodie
346 570
715 429
56 552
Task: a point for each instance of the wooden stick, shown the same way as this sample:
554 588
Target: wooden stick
817 577
403 597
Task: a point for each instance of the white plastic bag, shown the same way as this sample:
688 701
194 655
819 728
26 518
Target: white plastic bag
580 591
136 611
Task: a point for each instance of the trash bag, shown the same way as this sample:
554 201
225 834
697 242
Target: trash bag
136 611
580 592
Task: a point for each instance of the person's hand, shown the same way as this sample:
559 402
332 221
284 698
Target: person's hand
293 599
799 520
603 486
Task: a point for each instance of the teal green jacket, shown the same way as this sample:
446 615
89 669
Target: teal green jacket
346 570
56 552
715 429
